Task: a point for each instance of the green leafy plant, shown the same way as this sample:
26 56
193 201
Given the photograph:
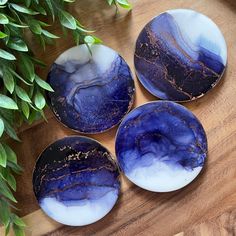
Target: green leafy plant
21 88
123 3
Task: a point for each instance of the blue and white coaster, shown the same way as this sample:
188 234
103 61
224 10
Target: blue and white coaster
94 88
76 181
180 55
161 146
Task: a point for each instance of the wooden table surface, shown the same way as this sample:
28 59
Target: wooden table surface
205 207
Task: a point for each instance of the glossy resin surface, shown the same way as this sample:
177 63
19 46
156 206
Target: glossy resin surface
161 146
94 91
180 55
76 181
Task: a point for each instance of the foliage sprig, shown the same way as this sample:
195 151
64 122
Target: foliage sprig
22 90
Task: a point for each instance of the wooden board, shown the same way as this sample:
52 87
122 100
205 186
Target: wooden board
207 206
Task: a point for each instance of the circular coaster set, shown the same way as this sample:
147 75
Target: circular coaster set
160 146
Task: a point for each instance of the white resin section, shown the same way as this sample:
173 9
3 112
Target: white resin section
101 55
194 26
160 177
81 213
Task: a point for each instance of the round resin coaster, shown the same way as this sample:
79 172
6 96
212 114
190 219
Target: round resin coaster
93 89
161 146
76 181
180 55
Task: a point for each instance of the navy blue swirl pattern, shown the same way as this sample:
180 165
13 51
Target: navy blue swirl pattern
76 181
161 146
93 92
180 55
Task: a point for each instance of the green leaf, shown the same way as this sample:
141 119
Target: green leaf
5 191
43 84
7 229
28 3
15 31
10 131
110 2
25 109
15 16
97 40
3 19
5 173
7 114
34 115
17 44
44 24
8 103
92 40
35 27
19 121
3 156
89 40
49 35
8 80
19 231
4 213
33 107
43 115
41 10
42 41
2 35
23 9
39 100
27 67
67 19
2 175
1 127
19 77
51 9
38 62
6 55
11 156
2 2
18 25
11 181
14 167
76 37
81 29
22 94
125 4
7 31
18 221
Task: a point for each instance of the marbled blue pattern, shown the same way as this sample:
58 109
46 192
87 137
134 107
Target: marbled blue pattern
180 55
93 92
161 146
76 181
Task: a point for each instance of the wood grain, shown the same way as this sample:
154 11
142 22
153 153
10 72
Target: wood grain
222 225
207 206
